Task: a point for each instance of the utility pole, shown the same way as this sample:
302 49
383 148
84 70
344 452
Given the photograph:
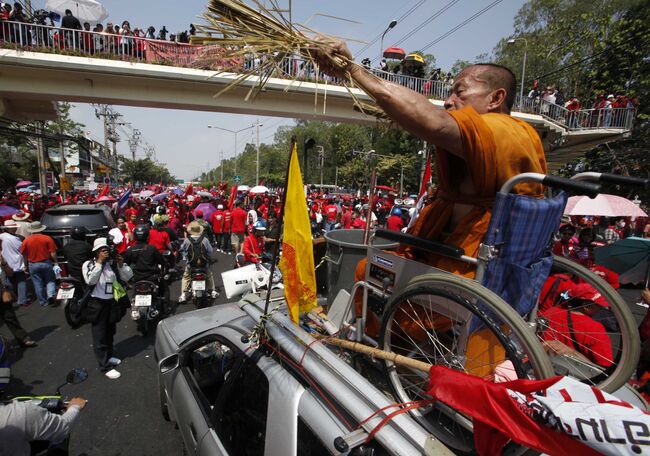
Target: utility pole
134 140
62 180
321 158
221 166
40 151
257 163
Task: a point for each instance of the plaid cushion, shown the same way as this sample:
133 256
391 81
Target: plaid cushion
522 228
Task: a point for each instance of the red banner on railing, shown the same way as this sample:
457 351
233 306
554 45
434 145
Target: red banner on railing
191 56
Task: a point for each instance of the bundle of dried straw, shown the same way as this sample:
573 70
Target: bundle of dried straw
256 32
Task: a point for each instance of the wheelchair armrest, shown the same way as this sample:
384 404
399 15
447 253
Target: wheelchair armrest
422 244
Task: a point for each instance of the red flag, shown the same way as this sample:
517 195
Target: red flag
261 182
426 178
105 191
233 194
189 190
499 418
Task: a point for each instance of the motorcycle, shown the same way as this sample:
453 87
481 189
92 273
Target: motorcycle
151 304
69 292
53 404
201 297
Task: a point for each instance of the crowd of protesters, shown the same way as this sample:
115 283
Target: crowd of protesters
113 38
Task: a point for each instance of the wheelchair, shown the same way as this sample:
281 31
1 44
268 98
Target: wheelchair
488 326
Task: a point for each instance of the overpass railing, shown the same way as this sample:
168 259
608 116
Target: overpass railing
44 38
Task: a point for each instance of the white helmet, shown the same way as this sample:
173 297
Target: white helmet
220 206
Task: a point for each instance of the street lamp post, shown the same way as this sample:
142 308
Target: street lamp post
392 24
235 132
523 66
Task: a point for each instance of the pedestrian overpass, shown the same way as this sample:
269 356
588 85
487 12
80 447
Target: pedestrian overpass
32 81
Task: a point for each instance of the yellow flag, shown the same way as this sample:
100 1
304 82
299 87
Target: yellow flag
297 262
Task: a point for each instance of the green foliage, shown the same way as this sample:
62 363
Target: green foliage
344 162
146 171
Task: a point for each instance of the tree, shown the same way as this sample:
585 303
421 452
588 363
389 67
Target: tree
146 171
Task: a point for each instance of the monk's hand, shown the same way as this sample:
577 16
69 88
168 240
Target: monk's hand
333 57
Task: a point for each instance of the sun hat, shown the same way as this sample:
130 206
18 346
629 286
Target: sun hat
194 228
10 224
20 216
99 243
36 227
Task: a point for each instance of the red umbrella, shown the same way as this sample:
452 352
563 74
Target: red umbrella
23 183
394 53
105 199
385 188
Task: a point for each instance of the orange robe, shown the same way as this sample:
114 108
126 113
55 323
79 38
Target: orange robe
496 147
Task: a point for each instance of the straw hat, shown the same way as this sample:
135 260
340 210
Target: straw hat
194 229
10 224
20 216
36 227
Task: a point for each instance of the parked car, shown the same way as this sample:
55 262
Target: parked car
228 398
61 220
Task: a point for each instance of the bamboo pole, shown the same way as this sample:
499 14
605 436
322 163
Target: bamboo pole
376 353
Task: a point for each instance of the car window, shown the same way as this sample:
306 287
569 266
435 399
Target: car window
65 219
241 411
210 364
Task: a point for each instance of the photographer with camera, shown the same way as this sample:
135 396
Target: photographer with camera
105 273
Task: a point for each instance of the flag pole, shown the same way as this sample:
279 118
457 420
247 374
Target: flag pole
276 252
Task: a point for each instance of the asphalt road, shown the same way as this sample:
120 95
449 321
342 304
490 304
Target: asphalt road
122 416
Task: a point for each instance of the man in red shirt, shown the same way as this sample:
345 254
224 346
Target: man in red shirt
227 224
330 211
395 222
39 252
572 325
346 218
159 238
238 227
217 226
254 244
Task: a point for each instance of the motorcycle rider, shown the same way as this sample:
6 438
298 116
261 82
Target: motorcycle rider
197 251
76 252
146 262
158 237
24 422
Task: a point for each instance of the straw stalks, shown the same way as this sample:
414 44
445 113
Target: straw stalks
251 31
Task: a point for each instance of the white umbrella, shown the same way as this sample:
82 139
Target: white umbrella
243 188
603 205
258 190
84 10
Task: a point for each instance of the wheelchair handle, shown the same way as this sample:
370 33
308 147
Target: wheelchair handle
572 186
420 243
614 179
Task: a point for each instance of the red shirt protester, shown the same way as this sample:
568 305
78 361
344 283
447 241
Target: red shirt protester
253 245
239 217
331 210
159 239
346 219
554 286
217 221
38 247
395 223
227 221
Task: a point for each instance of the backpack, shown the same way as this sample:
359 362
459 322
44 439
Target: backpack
196 255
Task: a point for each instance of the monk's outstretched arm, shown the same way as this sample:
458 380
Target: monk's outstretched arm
412 111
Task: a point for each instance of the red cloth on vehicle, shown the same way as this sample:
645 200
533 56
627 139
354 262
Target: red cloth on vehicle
497 417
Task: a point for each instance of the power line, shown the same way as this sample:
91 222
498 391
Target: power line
400 19
461 25
427 21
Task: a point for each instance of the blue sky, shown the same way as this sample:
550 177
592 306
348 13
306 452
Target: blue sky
189 146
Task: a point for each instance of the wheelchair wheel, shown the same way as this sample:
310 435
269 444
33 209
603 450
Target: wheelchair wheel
452 321
620 326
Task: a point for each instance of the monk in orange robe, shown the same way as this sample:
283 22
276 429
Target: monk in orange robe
479 146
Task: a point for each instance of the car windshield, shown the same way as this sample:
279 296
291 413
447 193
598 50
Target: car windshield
93 220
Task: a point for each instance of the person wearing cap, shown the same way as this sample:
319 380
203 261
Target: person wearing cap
217 227
566 245
39 253
10 244
573 325
22 220
101 273
197 252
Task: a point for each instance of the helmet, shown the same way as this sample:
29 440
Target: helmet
397 211
79 233
141 233
259 227
161 210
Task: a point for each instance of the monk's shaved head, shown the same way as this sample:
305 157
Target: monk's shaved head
496 77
